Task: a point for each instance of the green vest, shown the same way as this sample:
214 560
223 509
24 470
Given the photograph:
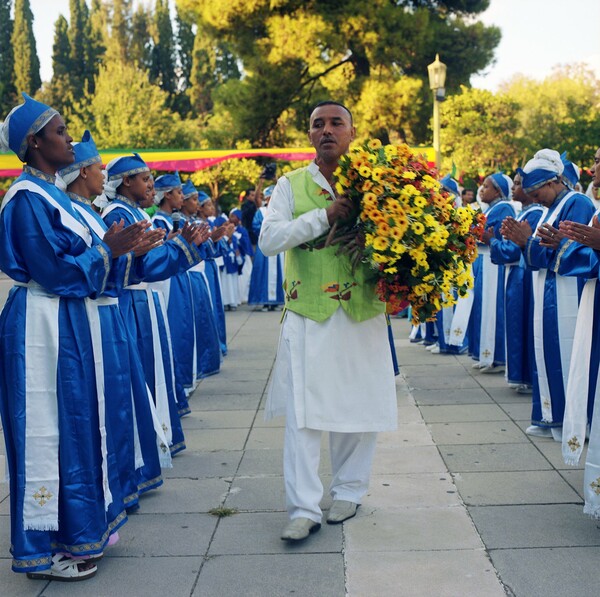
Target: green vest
317 282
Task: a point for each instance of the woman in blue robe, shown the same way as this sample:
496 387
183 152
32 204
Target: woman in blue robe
266 281
519 297
130 187
486 330
213 259
65 495
207 347
82 180
246 252
556 297
177 294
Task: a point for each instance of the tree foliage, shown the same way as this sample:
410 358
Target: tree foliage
7 84
26 61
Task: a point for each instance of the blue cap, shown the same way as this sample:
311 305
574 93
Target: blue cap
571 172
86 154
203 197
502 183
532 181
24 120
237 212
167 182
449 184
188 189
127 165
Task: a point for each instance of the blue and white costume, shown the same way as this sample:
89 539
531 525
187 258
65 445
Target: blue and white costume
65 493
556 297
266 282
486 331
518 303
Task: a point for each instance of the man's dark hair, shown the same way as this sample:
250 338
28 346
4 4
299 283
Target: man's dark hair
332 103
465 191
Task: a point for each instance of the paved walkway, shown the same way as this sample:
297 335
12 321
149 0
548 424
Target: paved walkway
462 502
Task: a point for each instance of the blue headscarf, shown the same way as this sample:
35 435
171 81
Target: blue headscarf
189 189
127 165
86 153
503 184
570 174
203 198
449 184
545 166
26 119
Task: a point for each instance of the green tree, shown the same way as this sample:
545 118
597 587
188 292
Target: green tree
162 69
78 42
558 112
119 41
26 61
59 92
7 86
97 41
296 53
478 132
185 48
128 111
141 42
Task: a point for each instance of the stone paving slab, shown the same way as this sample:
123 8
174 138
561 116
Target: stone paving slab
429 382
485 432
206 401
551 572
460 413
135 577
450 573
258 533
539 525
518 411
297 574
218 419
493 457
407 459
158 535
203 465
211 440
553 452
512 487
451 396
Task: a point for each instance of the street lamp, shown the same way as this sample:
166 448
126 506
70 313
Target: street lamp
437 79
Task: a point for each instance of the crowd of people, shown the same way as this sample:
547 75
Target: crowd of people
533 311
113 319
115 316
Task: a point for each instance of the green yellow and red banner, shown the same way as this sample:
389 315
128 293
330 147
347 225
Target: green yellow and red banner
193 160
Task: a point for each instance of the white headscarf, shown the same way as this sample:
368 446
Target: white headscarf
545 159
110 186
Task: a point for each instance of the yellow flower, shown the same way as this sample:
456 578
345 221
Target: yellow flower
418 228
379 258
364 171
374 144
420 201
408 175
380 243
398 248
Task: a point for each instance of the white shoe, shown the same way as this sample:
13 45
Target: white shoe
341 510
524 389
431 347
66 569
435 349
493 369
299 529
514 386
538 431
477 365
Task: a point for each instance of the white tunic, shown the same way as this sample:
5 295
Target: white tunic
339 372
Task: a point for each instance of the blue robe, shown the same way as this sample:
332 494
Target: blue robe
266 281
554 323
212 258
518 302
43 244
178 294
489 297
159 264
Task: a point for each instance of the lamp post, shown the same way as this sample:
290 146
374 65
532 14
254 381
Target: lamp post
437 79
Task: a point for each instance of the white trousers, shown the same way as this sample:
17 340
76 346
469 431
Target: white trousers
351 459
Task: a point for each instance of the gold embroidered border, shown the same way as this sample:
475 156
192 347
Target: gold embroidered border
561 253
92 546
176 447
79 165
104 254
126 200
130 498
78 198
147 484
183 246
19 564
39 174
131 172
128 269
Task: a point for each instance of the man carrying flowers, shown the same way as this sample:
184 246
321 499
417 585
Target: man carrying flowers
334 368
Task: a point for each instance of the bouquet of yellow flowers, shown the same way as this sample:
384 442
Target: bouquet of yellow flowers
417 243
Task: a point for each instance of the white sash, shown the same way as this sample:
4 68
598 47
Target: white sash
91 221
460 320
96 335
487 342
576 399
66 218
40 502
